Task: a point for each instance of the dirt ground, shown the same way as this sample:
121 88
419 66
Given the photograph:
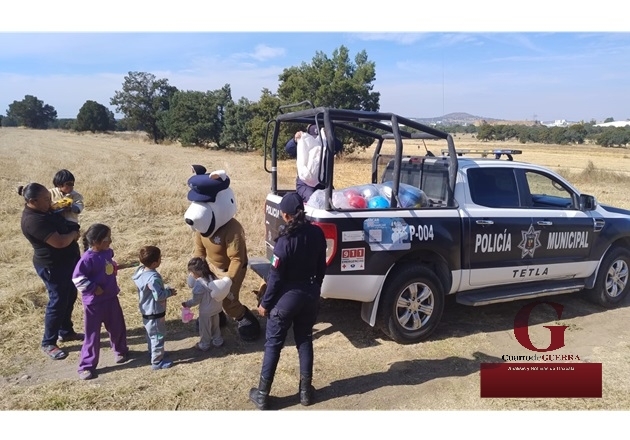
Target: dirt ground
356 367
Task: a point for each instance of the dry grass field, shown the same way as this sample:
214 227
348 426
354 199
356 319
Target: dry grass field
139 189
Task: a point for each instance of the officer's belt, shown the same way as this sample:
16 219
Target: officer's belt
156 316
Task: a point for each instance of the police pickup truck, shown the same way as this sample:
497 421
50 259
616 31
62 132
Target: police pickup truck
484 230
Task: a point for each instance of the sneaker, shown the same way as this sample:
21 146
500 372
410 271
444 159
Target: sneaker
201 347
162 365
71 337
121 358
86 375
218 342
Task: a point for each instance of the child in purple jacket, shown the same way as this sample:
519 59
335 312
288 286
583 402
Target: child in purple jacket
95 277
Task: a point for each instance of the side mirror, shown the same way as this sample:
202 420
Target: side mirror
587 203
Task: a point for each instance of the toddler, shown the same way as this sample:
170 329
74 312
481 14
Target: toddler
65 199
152 294
207 292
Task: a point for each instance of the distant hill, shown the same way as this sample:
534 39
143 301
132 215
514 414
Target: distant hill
455 118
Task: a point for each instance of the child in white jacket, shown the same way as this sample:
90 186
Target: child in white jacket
208 292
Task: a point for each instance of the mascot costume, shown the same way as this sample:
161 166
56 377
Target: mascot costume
220 239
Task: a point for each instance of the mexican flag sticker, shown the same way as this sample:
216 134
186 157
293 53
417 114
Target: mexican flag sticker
275 261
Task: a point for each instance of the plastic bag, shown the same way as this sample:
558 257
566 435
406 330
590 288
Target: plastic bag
316 200
309 150
187 315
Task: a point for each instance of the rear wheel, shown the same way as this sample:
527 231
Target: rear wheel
412 303
613 280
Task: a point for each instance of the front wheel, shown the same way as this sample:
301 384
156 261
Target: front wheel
613 279
412 303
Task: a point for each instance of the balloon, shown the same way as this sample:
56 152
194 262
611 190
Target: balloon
356 201
378 202
369 191
351 192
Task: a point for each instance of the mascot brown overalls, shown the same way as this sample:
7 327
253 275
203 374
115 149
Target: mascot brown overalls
220 238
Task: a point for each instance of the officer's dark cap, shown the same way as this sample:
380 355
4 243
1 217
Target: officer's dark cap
291 203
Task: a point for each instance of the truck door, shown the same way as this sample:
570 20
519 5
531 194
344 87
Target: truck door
499 242
566 233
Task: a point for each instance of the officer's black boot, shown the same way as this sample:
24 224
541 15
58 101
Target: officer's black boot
260 395
306 390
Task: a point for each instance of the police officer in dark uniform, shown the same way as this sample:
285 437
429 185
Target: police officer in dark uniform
292 297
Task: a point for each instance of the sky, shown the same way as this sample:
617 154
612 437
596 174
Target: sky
547 62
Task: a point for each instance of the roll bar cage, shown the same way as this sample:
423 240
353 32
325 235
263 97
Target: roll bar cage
377 125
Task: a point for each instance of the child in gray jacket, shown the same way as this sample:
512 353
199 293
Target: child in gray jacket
152 293
208 293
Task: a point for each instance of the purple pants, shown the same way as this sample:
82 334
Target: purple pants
109 313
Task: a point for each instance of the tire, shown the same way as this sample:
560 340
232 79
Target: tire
613 279
411 306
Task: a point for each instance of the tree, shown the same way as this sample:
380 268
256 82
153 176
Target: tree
334 82
485 132
94 117
32 113
197 118
614 136
265 110
144 100
609 120
237 119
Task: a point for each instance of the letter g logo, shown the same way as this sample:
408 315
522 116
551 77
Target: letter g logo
521 328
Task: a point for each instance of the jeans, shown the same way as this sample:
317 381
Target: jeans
297 307
62 294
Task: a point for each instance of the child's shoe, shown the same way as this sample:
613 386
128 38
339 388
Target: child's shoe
86 375
164 363
121 358
218 342
202 347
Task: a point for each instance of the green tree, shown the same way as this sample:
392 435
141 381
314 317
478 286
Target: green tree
94 117
238 116
614 137
485 132
197 118
335 82
609 120
263 111
32 113
9 122
144 100
63 124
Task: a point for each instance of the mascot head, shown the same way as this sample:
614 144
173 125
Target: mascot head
212 201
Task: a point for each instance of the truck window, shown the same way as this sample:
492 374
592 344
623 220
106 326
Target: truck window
547 192
493 187
431 176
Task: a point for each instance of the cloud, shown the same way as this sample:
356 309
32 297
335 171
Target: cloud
399 38
262 52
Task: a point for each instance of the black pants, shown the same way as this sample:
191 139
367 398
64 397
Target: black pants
297 307
62 294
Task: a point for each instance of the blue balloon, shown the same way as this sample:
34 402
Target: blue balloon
378 202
